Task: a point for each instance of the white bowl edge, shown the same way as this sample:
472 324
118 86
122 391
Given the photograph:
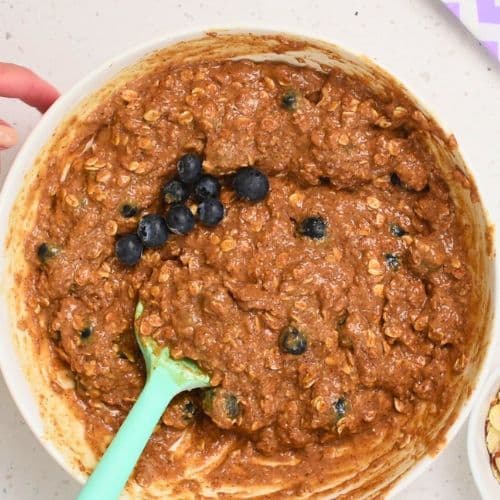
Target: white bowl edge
477 452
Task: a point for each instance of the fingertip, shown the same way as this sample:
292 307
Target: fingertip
46 97
18 81
8 136
50 98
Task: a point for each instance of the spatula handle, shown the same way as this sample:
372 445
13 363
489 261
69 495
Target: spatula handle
113 470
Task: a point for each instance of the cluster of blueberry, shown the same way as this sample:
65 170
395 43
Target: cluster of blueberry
153 230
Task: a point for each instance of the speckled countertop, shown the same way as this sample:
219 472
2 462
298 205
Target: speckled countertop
64 40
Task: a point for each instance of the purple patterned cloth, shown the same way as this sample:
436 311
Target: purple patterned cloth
482 18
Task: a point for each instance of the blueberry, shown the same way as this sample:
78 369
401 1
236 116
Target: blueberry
86 332
152 230
189 411
46 251
207 187
180 220
128 210
292 341
250 184
313 227
397 230
392 261
128 249
210 212
175 191
289 100
395 180
340 408
189 168
231 405
222 406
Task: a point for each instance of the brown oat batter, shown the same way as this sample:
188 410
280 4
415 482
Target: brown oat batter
381 302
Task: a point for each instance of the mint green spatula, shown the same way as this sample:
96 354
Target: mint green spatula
166 378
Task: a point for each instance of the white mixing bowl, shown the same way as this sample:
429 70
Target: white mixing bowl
41 402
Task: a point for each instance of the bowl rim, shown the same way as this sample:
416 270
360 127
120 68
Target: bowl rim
476 439
67 101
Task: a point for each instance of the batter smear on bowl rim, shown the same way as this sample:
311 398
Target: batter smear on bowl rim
288 230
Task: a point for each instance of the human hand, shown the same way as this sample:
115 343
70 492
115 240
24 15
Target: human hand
21 83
